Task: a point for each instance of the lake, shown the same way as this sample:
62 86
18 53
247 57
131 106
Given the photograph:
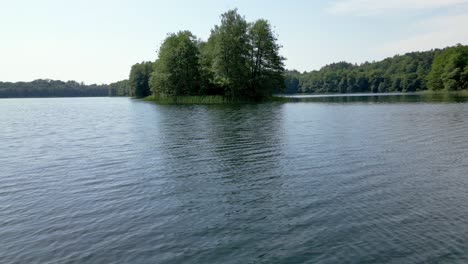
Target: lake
357 179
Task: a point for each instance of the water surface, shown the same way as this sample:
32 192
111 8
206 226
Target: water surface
114 180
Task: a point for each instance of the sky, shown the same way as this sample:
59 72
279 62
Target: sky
97 41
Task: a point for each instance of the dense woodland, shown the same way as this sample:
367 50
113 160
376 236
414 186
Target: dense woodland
440 69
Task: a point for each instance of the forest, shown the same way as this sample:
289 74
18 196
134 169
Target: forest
439 69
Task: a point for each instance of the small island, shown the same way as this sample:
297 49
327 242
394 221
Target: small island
240 62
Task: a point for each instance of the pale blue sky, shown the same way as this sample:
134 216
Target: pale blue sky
96 41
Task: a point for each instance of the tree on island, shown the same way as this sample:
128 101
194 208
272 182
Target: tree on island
239 61
177 70
267 67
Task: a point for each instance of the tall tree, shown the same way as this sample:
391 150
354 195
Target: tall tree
266 65
139 79
231 54
177 70
207 72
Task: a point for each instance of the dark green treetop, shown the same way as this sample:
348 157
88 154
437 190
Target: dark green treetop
139 79
176 72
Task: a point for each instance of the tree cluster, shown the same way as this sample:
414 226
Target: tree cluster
450 69
139 79
240 60
416 71
120 88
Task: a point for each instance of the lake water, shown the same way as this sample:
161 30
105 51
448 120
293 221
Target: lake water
370 179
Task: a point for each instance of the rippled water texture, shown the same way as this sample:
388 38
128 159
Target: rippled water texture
114 180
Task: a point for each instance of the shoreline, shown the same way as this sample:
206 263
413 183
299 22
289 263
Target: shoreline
285 98
217 99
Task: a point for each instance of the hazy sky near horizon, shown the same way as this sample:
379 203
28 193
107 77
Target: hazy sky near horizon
97 41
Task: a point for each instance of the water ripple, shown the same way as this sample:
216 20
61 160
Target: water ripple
116 180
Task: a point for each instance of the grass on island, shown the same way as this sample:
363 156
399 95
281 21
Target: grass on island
445 92
206 99
218 99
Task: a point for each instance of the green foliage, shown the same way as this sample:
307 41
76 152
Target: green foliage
450 69
266 65
240 61
139 79
201 99
207 72
177 70
231 54
292 82
402 73
416 71
209 99
121 88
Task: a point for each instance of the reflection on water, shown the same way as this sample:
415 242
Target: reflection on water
382 98
109 180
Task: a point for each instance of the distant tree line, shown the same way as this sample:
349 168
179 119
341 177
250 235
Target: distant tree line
120 88
240 60
53 88
440 69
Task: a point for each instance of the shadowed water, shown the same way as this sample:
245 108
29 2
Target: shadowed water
114 180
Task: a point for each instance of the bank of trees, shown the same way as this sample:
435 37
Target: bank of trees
450 69
54 88
416 71
240 60
139 79
120 88
51 88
